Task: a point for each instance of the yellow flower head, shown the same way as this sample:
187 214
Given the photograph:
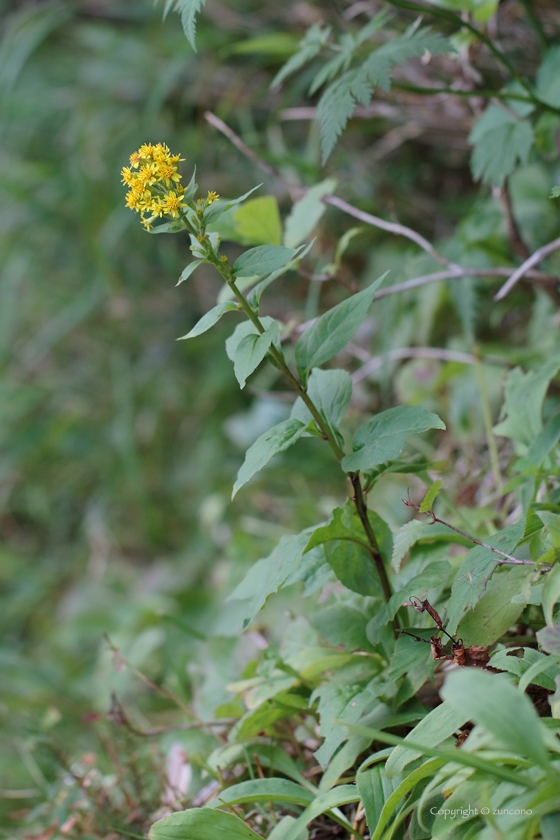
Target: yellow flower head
149 190
212 196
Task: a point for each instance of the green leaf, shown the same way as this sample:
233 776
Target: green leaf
251 350
262 260
258 221
337 104
347 550
531 665
492 701
306 213
201 824
268 575
341 795
176 226
342 624
549 639
381 796
188 271
284 825
341 703
255 295
308 48
555 192
331 392
475 572
330 333
500 140
404 539
271 443
264 790
495 612
436 727
242 330
521 411
547 86
430 497
218 207
545 441
212 317
384 436
551 592
344 758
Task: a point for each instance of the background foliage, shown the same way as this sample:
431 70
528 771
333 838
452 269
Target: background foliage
120 447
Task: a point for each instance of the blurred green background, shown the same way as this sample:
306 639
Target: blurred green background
119 446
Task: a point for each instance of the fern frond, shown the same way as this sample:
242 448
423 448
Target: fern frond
188 10
310 46
337 104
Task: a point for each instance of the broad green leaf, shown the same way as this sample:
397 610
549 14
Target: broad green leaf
176 226
306 213
258 221
243 329
475 572
331 392
449 754
493 702
212 317
353 566
549 639
264 790
268 575
330 333
384 436
284 825
545 441
436 727
529 667
521 411
341 795
433 575
342 624
547 85
188 271
430 497
254 295
201 824
251 350
551 521
495 613
404 539
377 790
271 443
551 592
262 260
218 207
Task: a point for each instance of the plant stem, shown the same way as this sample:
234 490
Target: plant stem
359 499
485 94
487 415
536 24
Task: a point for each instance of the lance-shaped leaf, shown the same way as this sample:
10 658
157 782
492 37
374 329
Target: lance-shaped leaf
212 317
218 207
202 824
264 790
263 259
330 333
384 436
341 795
188 271
251 350
276 440
430 497
331 392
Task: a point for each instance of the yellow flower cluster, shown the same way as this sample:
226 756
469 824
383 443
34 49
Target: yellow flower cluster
151 174
154 184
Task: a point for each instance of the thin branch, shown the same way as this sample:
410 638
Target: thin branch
473 92
534 259
508 560
118 715
373 363
392 227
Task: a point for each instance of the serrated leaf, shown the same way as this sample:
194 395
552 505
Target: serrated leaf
403 541
263 259
330 333
337 104
524 396
430 497
475 572
251 350
384 436
306 213
492 701
212 317
500 140
308 48
201 824
271 443
188 10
